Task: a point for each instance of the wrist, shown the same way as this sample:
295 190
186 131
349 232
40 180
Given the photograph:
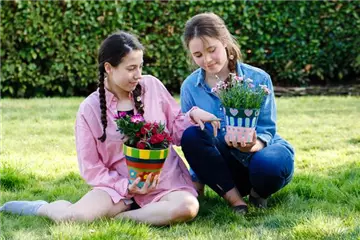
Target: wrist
260 144
191 113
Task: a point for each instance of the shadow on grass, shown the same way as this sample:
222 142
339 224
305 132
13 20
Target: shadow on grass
355 141
302 207
295 209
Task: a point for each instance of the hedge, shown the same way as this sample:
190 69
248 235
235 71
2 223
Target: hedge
50 47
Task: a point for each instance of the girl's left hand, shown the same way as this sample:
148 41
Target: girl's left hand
200 117
253 146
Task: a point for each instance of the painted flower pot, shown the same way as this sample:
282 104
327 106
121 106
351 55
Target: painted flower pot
241 123
142 162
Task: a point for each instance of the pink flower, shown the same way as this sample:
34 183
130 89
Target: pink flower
239 79
137 118
120 115
251 85
265 89
224 86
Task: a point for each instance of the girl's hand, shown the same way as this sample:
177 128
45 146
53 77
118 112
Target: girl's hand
200 117
254 146
148 186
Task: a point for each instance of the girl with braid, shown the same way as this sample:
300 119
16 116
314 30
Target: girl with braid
232 169
171 198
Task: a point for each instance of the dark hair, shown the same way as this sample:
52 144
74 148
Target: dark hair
211 25
113 49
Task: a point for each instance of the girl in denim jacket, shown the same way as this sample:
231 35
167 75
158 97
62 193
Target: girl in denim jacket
232 169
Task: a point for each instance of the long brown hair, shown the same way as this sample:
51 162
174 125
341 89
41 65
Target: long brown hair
112 50
211 25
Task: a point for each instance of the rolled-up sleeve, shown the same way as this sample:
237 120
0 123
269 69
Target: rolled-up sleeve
266 126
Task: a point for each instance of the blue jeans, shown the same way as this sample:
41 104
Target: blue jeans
222 167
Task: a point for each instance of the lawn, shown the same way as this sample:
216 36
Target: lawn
38 161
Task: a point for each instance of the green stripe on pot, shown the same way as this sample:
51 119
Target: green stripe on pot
145 153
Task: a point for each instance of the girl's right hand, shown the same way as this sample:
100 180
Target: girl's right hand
201 116
148 186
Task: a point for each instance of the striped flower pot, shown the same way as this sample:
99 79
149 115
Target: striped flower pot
142 162
241 123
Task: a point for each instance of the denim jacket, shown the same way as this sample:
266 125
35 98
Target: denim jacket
195 92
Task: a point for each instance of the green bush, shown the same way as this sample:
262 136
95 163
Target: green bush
50 47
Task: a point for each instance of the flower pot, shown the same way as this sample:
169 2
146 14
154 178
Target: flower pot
241 123
142 162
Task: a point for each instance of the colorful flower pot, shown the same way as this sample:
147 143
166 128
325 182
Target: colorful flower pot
241 124
142 162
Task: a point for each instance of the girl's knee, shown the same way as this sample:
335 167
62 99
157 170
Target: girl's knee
189 135
186 209
275 161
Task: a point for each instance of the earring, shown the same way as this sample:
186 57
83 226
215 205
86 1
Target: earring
138 99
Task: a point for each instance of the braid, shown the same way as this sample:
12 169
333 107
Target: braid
232 60
138 101
102 105
112 51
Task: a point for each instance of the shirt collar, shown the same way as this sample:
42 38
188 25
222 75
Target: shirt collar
239 69
200 77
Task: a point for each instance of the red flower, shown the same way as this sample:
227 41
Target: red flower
157 138
138 134
141 145
146 128
155 128
167 136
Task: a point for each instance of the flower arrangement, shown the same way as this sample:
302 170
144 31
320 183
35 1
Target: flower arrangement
141 134
235 92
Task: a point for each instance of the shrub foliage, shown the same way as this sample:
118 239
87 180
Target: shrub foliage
50 47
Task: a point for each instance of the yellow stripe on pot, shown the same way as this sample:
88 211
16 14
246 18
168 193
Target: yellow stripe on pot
162 152
127 150
144 154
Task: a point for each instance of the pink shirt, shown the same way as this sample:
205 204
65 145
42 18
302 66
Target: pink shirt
103 165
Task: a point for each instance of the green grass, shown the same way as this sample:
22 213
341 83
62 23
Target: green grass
38 161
